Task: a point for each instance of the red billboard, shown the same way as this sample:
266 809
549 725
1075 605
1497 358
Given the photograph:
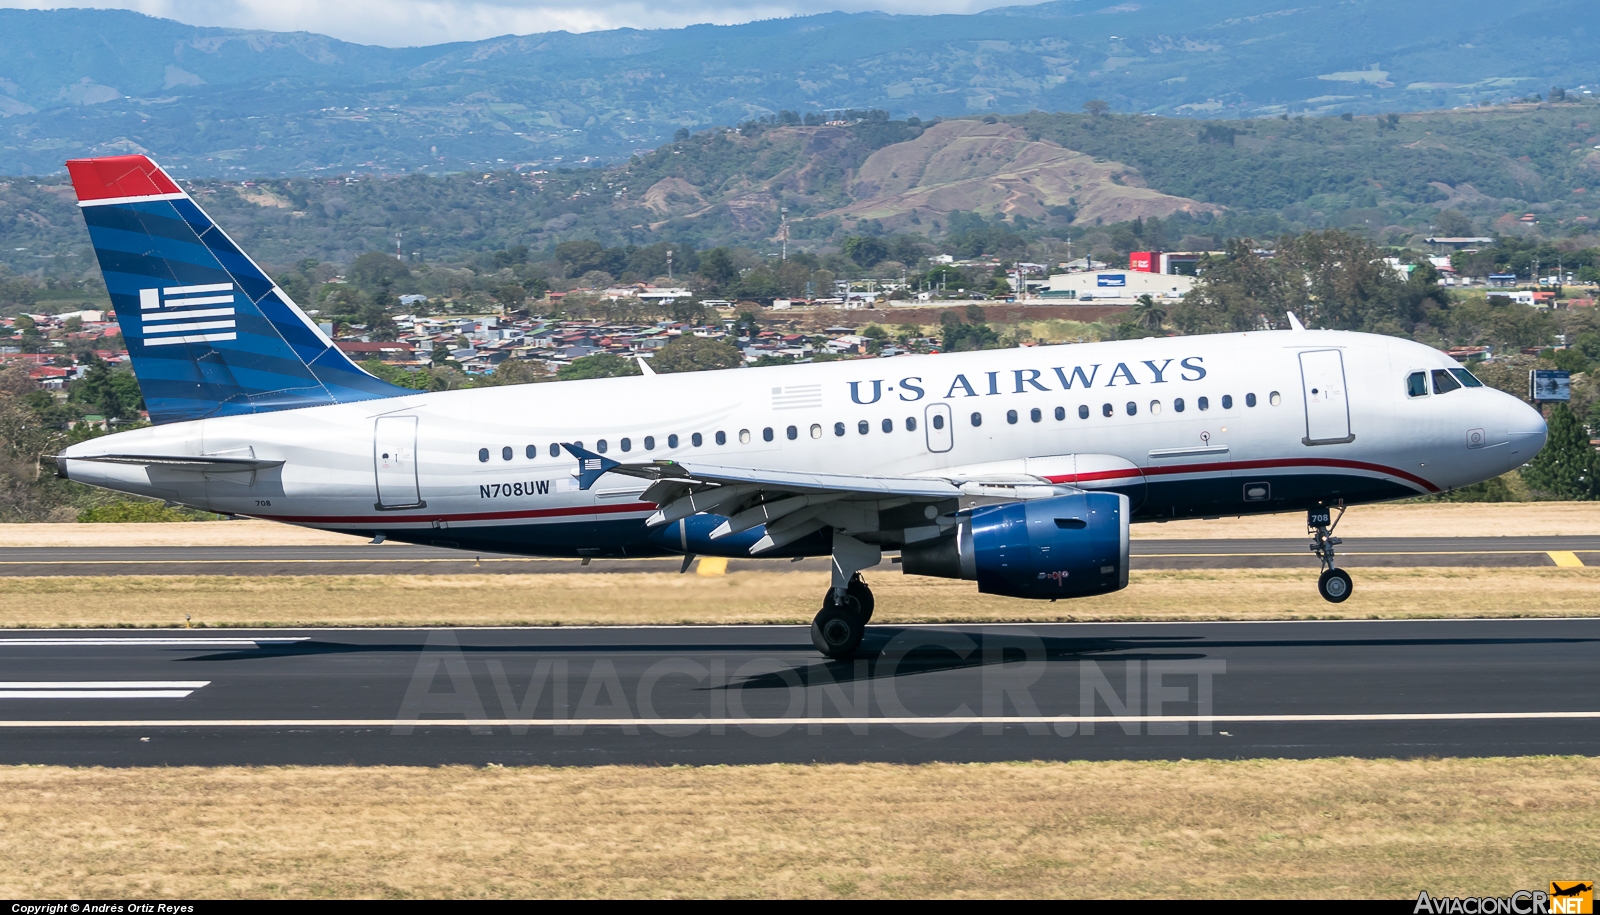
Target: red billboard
1145 261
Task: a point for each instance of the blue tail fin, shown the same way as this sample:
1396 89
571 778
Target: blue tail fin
209 333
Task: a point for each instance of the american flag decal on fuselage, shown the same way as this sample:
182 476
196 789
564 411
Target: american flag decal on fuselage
187 314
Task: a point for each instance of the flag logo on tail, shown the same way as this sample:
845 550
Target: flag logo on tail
188 314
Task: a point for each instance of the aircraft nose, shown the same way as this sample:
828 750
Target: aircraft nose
1525 430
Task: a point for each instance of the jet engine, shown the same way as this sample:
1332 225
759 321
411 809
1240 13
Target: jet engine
1066 546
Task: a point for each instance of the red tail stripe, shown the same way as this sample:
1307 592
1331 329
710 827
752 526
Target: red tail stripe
118 176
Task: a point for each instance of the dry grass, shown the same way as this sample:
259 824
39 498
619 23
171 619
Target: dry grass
767 597
1521 519
1261 828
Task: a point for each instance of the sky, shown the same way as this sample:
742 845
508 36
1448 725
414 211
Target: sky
403 23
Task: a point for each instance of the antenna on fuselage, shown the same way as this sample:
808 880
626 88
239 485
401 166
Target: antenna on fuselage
1294 322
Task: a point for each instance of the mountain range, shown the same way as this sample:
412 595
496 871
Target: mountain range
219 102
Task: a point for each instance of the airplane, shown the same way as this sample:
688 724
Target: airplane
1018 469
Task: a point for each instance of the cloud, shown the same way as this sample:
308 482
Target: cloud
400 23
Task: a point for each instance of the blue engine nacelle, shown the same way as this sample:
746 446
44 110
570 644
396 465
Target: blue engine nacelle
1068 546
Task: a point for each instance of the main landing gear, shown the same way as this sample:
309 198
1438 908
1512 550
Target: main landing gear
1334 584
840 625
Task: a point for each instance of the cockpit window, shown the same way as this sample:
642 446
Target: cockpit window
1417 384
1444 382
1466 378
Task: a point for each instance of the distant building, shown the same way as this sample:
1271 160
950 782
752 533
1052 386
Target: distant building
1115 286
1460 243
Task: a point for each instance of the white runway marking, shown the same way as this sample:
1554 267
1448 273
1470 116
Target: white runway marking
735 722
138 642
99 689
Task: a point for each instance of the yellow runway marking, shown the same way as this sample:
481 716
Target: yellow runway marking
1566 559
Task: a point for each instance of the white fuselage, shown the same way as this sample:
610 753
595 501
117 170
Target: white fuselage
413 467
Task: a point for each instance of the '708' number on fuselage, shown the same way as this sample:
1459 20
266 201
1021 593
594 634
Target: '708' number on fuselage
501 490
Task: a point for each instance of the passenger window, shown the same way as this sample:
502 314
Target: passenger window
1227 401
649 443
532 452
1466 378
977 419
816 430
1249 400
792 432
483 455
696 439
1035 415
1155 407
1083 411
505 453
1177 404
1417 384
911 424
627 444
1106 410
1274 398
838 428
1133 408
888 425
1444 382
555 450
722 437
1011 417
862 427
672 440
1202 403
766 434
600 446
744 437
938 420
1061 413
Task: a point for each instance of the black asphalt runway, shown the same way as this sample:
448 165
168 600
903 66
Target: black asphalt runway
751 694
390 558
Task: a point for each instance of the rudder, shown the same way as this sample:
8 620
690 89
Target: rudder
209 333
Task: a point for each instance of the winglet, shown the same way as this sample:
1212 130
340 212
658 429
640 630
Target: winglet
1294 322
644 365
591 466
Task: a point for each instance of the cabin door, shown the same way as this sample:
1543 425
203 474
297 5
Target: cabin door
394 458
1326 398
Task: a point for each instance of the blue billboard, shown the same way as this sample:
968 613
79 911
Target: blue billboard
1112 279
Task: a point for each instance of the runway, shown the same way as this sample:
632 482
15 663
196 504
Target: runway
398 559
752 694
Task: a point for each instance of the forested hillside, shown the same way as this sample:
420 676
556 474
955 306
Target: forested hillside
212 102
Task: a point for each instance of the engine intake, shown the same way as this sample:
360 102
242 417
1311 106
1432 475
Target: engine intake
1068 546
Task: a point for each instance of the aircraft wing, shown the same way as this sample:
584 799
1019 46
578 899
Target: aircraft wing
794 504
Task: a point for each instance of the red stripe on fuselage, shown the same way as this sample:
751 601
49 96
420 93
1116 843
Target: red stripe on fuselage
1224 466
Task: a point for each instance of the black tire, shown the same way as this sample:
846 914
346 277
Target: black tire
1335 586
837 629
858 589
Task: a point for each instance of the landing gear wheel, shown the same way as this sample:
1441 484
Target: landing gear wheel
858 589
1334 585
838 628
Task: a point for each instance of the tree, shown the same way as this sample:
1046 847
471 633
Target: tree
1148 313
1453 224
377 271
1568 467
112 394
515 371
1096 107
599 365
716 266
511 296
865 250
696 354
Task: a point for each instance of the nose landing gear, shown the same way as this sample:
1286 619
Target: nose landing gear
1334 584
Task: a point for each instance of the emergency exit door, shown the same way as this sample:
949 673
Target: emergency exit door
1326 398
939 429
394 457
